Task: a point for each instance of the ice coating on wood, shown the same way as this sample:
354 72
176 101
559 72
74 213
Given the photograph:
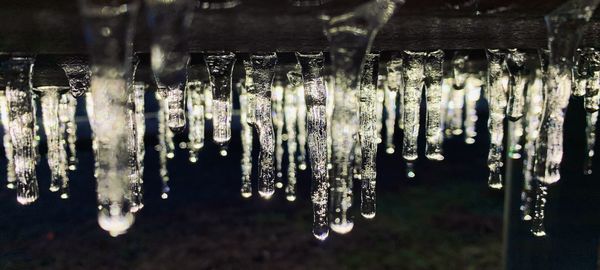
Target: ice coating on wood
220 68
78 73
57 154
21 115
497 91
263 72
414 73
367 97
195 111
433 93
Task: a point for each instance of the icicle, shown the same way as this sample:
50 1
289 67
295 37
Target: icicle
534 106
396 85
414 74
356 160
220 68
208 98
89 108
472 95
329 106
278 121
135 176
565 26
111 26
169 22
7 142
379 105
433 78
515 61
165 146
391 95
57 155
590 132
350 36
139 91
497 90
368 134
249 85
263 71
291 118
78 73
66 114
592 89
247 136
295 79
541 194
195 111
580 72
21 117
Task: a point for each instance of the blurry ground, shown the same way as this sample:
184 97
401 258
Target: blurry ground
446 218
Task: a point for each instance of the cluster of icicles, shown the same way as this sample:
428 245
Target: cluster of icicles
331 123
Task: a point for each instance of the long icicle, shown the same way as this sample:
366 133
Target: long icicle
350 37
110 88
57 155
195 111
290 108
139 91
247 136
164 146
534 103
515 108
278 123
316 100
433 78
263 72
21 117
67 111
497 91
368 134
414 74
565 27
